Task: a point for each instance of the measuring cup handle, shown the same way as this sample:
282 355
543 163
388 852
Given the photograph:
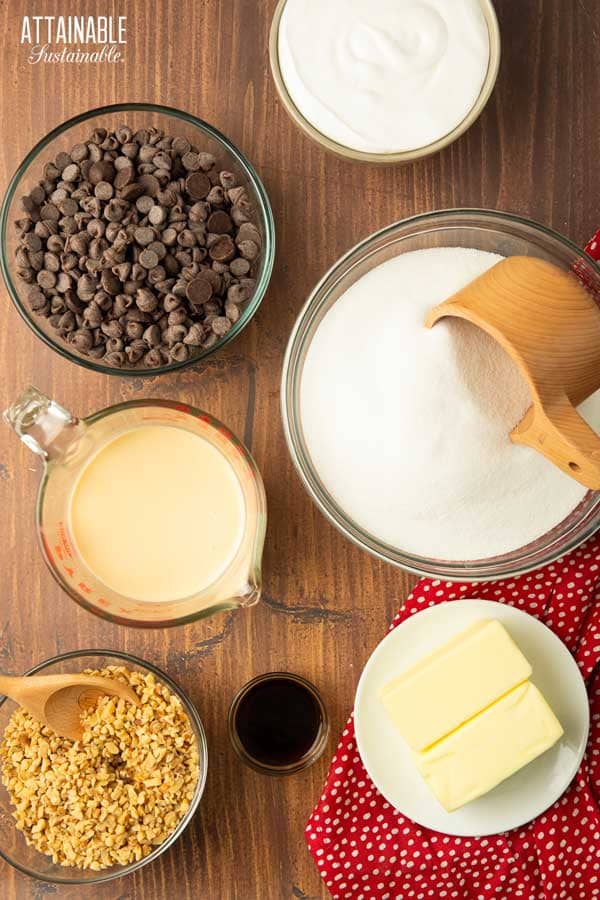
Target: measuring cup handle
559 432
42 424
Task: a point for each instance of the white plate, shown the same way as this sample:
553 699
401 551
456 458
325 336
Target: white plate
520 798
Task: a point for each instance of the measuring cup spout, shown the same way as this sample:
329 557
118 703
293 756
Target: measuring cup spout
42 424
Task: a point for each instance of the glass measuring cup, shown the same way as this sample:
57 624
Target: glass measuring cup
67 444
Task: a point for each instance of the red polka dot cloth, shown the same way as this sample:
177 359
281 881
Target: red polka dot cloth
592 248
366 850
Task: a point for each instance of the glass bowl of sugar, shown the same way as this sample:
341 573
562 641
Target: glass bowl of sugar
400 433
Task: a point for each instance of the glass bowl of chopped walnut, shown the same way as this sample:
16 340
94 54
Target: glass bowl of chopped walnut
88 811
136 239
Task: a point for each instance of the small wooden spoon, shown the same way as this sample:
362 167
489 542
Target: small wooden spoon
59 700
550 324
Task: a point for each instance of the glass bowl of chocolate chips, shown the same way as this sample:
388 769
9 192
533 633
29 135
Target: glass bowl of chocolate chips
136 238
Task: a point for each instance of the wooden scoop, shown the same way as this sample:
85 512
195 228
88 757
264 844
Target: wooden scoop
59 700
550 325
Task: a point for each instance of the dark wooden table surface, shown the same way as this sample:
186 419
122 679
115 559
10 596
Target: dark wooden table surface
535 151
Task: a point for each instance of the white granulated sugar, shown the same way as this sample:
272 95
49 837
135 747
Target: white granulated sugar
409 427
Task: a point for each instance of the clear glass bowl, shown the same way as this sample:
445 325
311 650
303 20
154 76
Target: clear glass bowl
137 115
501 233
403 156
28 860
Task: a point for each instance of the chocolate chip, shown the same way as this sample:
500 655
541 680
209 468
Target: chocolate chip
157 215
169 236
152 336
93 315
124 177
180 146
186 238
112 329
86 287
101 171
177 316
113 344
222 249
67 321
237 294
32 242
130 149
195 335
110 283
148 258
79 152
220 325
216 195
62 160
135 351
248 249
71 172
146 300
51 262
96 228
63 283
232 311
219 222
239 267
83 339
144 236
132 191
68 206
199 291
49 211
115 359
104 190
159 248
37 195
197 185
174 334
51 172
150 183
207 161
123 134
190 161
179 352
153 358
46 280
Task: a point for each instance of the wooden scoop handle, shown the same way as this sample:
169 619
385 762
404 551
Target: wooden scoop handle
564 437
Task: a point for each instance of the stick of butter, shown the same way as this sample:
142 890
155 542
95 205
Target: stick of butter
489 748
454 683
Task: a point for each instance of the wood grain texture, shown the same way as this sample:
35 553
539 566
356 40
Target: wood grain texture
326 605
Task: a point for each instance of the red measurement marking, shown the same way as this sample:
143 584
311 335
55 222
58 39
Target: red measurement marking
83 587
182 407
62 537
59 551
70 572
103 602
